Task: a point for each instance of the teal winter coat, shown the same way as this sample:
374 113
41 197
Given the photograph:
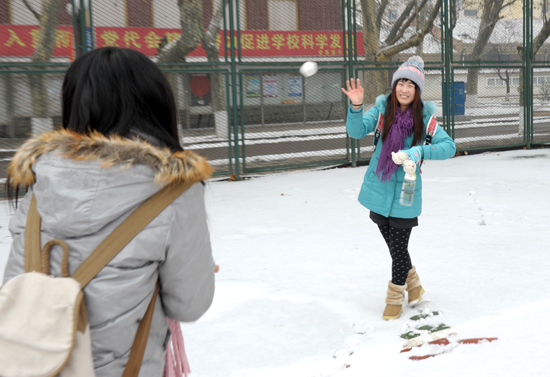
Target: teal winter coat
383 197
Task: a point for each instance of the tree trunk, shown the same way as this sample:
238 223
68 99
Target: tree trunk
42 54
217 86
374 81
489 19
419 24
188 41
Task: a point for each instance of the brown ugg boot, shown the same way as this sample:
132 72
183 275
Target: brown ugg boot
414 289
394 301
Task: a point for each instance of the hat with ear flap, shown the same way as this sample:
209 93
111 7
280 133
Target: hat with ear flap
412 69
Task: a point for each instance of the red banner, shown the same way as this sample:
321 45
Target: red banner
20 41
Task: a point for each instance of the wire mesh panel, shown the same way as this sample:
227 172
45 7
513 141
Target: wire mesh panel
291 120
233 66
496 118
204 114
541 105
489 112
491 32
541 73
487 30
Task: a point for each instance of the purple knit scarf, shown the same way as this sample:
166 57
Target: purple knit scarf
401 128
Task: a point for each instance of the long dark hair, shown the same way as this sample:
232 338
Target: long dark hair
392 105
118 91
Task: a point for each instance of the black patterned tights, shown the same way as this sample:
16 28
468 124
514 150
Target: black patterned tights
398 243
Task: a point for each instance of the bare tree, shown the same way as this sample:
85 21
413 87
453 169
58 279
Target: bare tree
491 14
539 40
193 35
407 31
501 51
48 18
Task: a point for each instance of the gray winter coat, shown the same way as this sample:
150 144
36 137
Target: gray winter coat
85 187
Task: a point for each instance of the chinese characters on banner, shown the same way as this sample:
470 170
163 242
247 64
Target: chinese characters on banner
20 40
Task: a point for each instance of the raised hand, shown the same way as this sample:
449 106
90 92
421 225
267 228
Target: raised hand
355 91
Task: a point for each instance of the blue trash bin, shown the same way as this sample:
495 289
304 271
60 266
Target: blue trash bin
459 98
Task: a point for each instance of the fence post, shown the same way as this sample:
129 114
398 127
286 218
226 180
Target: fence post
528 70
234 95
350 48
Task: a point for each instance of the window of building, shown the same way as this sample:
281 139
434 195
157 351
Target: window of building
470 12
256 14
319 15
282 14
139 13
515 81
491 82
5 12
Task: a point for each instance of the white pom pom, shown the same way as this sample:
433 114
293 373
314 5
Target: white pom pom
308 69
417 59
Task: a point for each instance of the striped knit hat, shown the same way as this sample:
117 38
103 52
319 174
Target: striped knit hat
412 69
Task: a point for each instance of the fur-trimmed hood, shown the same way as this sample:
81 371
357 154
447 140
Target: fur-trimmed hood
84 182
167 166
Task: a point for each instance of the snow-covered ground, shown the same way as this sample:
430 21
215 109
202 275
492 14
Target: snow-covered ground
303 267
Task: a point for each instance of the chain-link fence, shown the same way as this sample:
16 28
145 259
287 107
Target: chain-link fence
234 68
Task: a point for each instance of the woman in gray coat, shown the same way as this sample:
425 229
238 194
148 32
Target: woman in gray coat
117 146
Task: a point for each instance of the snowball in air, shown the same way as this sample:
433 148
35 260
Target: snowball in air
308 69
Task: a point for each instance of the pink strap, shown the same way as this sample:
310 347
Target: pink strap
176 359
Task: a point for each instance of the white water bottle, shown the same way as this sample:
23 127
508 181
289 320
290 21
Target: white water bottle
407 191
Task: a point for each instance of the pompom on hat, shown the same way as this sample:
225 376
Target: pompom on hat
412 69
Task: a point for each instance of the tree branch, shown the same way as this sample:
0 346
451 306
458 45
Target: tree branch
508 4
416 39
407 24
399 22
541 38
216 21
34 12
381 11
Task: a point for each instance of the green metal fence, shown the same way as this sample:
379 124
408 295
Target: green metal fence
234 67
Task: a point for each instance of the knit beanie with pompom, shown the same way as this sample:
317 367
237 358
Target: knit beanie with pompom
412 69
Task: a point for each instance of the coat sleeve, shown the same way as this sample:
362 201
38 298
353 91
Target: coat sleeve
358 125
187 273
441 148
16 259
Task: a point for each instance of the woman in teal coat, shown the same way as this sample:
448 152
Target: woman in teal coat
399 150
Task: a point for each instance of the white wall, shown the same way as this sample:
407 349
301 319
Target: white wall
109 13
21 15
166 14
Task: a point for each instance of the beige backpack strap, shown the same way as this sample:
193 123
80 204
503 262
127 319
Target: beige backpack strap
127 230
115 242
32 239
140 341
